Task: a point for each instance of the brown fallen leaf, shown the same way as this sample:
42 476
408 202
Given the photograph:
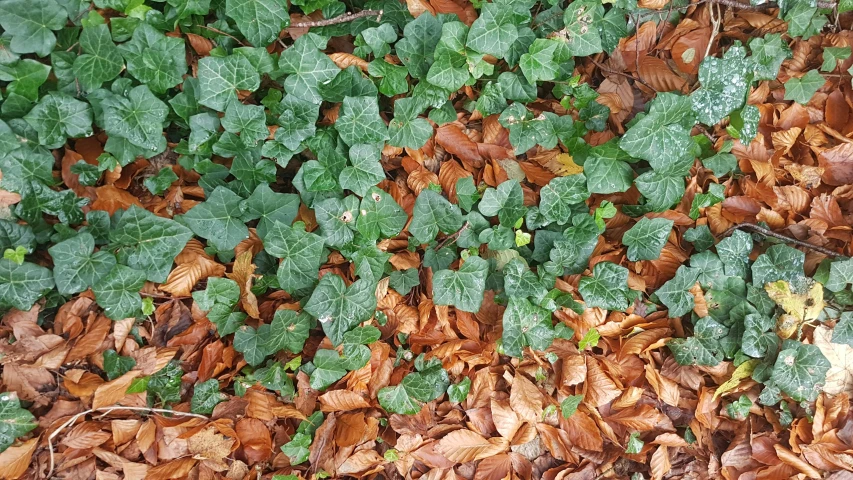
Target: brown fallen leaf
463 446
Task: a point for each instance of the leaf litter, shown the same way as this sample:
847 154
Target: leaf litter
426 239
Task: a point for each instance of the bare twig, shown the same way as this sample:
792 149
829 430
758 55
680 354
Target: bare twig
765 6
784 238
452 237
216 30
107 411
347 17
624 74
716 17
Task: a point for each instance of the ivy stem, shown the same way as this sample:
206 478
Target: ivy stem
785 238
347 17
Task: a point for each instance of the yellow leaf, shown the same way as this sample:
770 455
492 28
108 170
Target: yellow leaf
804 302
567 166
744 370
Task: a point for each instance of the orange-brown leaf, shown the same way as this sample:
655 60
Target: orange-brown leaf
342 401
184 277
15 460
463 446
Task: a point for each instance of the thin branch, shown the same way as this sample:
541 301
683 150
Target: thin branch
452 237
216 30
716 17
107 411
784 238
624 74
347 17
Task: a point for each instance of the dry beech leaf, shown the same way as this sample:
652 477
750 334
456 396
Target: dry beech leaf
461 446
243 272
15 460
526 399
184 276
658 74
344 60
113 391
341 401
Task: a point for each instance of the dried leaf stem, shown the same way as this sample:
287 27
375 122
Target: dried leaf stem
347 17
107 411
784 238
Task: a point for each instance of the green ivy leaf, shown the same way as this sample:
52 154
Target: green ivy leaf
247 120
674 294
158 183
558 197
365 170
526 325
758 340
118 292
218 291
404 280
397 400
663 135
288 331
76 267
646 238
297 449
582 19
328 369
301 253
463 288
494 31
635 444
800 372
260 21
417 46
802 89
219 78
779 262
843 331
768 53
269 207
137 118
734 252
520 281
703 348
340 308
307 67
219 219
506 202
725 84
433 213
14 421
840 275
831 56
407 130
606 288
739 409
101 61
251 343
660 191
31 24
116 365
380 216
570 404
148 243
359 121
58 117
457 393
21 285
155 59
297 121
206 396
